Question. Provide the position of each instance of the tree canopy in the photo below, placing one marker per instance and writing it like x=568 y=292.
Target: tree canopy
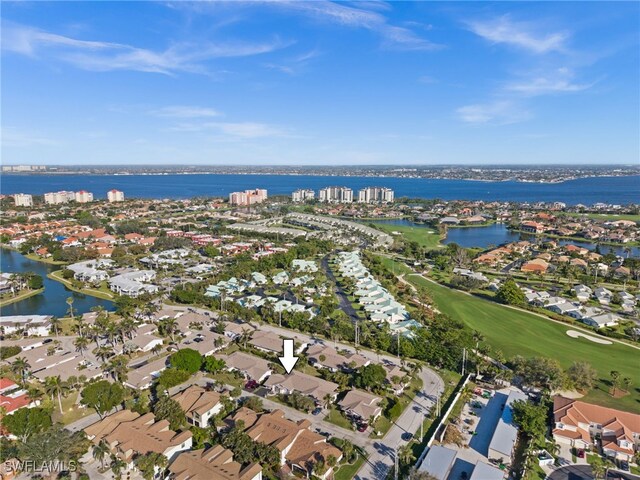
x=102 y=396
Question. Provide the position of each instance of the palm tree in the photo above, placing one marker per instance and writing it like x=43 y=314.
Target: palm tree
x=70 y=301
x=156 y=349
x=55 y=323
x=100 y=451
x=626 y=382
x=244 y=337
x=328 y=400
x=81 y=344
x=103 y=353
x=169 y=326
x=127 y=327
x=20 y=366
x=117 y=465
x=118 y=368
x=615 y=378
x=79 y=324
x=405 y=454
x=54 y=386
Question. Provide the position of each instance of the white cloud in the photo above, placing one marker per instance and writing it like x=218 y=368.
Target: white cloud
x=499 y=112
x=182 y=111
x=369 y=19
x=233 y=129
x=520 y=34
x=108 y=56
x=558 y=81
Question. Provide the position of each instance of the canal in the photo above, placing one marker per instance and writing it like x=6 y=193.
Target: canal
x=53 y=300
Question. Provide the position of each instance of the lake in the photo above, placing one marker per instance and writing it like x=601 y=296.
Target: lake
x=53 y=300
x=614 y=190
x=498 y=233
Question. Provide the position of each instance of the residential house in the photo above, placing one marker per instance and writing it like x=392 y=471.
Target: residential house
x=199 y=405
x=296 y=381
x=324 y=356
x=36 y=325
x=300 y=448
x=583 y=293
x=362 y=405
x=129 y=434
x=250 y=366
x=271 y=343
x=141 y=377
x=13 y=398
x=578 y=424
x=213 y=463
x=605 y=319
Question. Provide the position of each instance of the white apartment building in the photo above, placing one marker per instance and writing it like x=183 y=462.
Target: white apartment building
x=23 y=200
x=55 y=198
x=83 y=196
x=375 y=195
x=302 y=195
x=336 y=195
x=248 y=197
x=115 y=196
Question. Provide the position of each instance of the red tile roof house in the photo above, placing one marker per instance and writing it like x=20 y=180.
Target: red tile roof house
x=577 y=424
x=13 y=398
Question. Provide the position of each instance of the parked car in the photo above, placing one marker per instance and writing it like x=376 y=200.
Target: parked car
x=407 y=436
x=362 y=427
x=251 y=385
x=317 y=411
x=624 y=466
x=580 y=453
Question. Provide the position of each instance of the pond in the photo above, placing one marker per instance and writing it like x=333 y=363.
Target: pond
x=53 y=300
x=498 y=233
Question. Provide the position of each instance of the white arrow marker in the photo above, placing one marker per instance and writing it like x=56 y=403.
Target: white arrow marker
x=288 y=361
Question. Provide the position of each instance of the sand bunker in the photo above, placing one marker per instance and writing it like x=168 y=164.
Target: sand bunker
x=576 y=334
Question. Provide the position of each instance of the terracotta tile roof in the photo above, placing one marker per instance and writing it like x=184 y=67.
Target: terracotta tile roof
x=128 y=433
x=573 y=412
x=197 y=399
x=214 y=463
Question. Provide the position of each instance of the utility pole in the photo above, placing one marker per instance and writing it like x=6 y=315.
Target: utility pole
x=464 y=359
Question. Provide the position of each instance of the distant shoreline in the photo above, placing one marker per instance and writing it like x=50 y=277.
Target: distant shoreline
x=326 y=174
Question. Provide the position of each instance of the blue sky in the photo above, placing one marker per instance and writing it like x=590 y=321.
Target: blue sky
x=320 y=83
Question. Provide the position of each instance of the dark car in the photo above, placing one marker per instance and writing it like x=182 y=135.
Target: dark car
x=251 y=385
x=362 y=427
x=407 y=436
x=624 y=466
x=198 y=339
x=316 y=411
x=47 y=340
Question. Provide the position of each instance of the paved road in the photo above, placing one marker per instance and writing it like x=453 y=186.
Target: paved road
x=343 y=300
x=381 y=451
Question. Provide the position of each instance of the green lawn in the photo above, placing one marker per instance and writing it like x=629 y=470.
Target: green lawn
x=607 y=216
x=8 y=299
x=337 y=418
x=101 y=292
x=425 y=236
x=72 y=412
x=521 y=333
x=348 y=471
